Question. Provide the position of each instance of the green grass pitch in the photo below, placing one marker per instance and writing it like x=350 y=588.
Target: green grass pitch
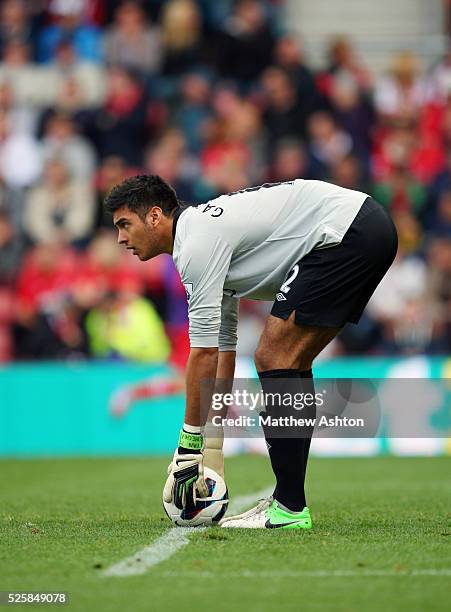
x=376 y=520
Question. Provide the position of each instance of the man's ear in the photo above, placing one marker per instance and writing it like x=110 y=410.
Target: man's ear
x=154 y=216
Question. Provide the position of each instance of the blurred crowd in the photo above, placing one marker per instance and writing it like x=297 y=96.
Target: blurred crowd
x=213 y=97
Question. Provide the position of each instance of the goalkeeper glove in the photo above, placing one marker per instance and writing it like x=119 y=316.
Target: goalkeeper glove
x=185 y=482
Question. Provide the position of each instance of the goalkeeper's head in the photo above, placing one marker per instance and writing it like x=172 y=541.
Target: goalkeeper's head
x=143 y=208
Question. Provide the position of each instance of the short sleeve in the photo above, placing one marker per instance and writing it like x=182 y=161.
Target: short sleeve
x=203 y=263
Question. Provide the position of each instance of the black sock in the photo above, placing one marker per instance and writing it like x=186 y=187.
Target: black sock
x=289 y=455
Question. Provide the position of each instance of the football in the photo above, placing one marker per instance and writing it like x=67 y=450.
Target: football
x=208 y=510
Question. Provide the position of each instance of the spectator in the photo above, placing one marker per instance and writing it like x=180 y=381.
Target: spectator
x=245 y=126
x=47 y=270
x=225 y=169
x=61 y=140
x=41 y=274
x=20 y=159
x=226 y=100
x=11 y=250
x=23 y=118
x=227 y=158
x=24 y=77
x=328 y=144
x=402 y=148
x=113 y=170
x=166 y=164
x=410 y=232
x=438 y=221
x=290 y=161
x=168 y=159
x=68 y=25
x=15 y=24
x=131 y=42
x=182 y=26
x=73 y=84
x=347 y=172
x=440 y=81
x=439 y=186
x=12 y=204
x=344 y=63
x=289 y=55
x=56 y=331
x=401 y=192
x=237 y=128
x=354 y=113
x=194 y=109
x=105 y=267
x=398 y=304
x=284 y=115
x=59 y=208
x=400 y=95
x=120 y=126
x=246 y=45
x=124 y=326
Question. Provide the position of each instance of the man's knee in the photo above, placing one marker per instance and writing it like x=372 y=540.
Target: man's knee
x=274 y=357
x=285 y=345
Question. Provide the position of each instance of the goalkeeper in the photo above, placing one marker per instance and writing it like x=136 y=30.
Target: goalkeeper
x=316 y=250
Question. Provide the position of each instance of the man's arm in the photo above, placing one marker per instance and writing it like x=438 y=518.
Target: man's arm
x=226 y=365
x=205 y=364
x=203 y=264
x=214 y=434
x=227 y=340
x=202 y=366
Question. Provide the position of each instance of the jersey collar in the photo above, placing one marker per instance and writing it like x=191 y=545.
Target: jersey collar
x=181 y=209
x=177 y=214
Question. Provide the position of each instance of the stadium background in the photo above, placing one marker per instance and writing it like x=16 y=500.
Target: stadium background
x=214 y=97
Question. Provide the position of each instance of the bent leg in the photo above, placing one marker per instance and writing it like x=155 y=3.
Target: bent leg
x=286 y=345
x=283 y=359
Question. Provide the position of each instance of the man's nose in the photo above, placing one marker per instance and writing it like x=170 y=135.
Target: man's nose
x=121 y=238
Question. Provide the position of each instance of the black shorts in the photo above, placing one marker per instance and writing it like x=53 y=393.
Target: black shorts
x=333 y=285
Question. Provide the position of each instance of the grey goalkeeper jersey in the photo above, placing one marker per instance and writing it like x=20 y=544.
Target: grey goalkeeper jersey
x=244 y=244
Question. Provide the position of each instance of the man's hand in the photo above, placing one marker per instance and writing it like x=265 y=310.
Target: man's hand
x=185 y=482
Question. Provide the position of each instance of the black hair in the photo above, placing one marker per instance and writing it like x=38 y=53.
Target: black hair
x=139 y=193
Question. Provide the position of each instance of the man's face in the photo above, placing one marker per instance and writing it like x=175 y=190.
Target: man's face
x=143 y=237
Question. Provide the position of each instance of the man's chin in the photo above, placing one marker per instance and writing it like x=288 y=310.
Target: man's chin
x=142 y=257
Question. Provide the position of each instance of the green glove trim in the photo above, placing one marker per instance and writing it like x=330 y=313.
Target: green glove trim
x=191 y=441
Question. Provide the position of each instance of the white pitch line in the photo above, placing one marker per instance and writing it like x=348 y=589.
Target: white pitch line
x=163 y=548
x=309 y=574
x=170 y=542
